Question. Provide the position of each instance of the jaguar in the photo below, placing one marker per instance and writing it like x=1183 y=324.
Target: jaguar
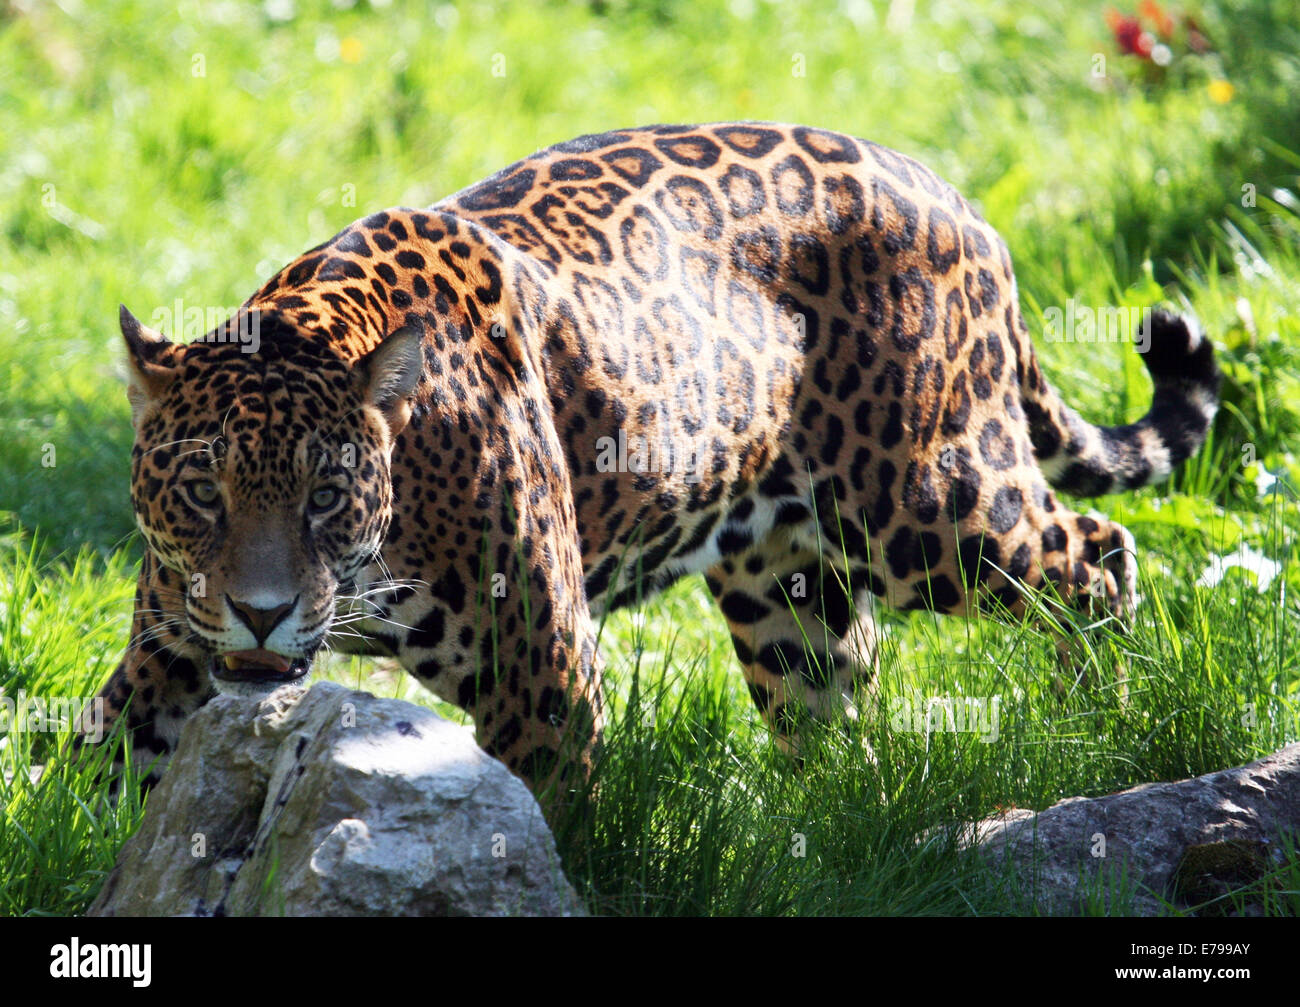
x=787 y=359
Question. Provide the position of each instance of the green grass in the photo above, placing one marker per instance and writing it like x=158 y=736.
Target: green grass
x=61 y=630
x=126 y=177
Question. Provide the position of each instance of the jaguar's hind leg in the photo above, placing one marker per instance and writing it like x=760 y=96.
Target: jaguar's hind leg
x=1085 y=564
x=803 y=642
x=1109 y=598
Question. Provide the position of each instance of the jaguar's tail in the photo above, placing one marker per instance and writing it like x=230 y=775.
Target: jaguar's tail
x=1086 y=460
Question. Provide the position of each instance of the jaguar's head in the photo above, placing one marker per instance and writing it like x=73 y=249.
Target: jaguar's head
x=260 y=475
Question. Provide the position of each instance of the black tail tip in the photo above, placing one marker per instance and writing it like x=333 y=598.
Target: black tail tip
x=1176 y=350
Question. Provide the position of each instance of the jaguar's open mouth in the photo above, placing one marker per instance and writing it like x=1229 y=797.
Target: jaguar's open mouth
x=262 y=666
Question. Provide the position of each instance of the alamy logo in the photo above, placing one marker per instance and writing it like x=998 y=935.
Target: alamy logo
x=641 y=455
x=1082 y=323
x=210 y=324
x=956 y=714
x=39 y=714
x=75 y=960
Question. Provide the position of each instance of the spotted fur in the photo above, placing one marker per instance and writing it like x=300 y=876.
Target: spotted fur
x=823 y=339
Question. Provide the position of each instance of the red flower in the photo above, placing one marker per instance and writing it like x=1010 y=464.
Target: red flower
x=1129 y=35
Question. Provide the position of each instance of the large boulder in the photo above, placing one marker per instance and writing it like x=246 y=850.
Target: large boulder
x=1162 y=846
x=329 y=802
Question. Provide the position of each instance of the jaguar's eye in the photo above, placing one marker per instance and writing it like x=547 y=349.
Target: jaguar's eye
x=203 y=492
x=324 y=498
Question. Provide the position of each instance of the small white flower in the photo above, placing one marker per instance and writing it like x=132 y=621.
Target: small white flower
x=1244 y=558
x=280 y=10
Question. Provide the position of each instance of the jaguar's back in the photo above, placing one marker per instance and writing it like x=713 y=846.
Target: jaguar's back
x=728 y=299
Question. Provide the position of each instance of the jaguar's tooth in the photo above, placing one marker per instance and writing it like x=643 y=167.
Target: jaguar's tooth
x=231 y=663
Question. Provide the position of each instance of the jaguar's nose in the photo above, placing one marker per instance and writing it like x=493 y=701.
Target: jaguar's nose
x=261 y=621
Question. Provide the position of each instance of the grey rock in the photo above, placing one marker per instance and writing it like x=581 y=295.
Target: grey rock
x=329 y=802
x=1168 y=847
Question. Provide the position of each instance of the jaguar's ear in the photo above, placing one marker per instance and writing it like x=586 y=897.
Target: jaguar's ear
x=147 y=378
x=389 y=373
